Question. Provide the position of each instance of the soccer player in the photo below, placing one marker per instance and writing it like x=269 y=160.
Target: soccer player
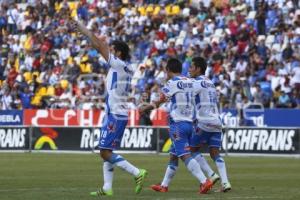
x=207 y=130
x=179 y=90
x=117 y=85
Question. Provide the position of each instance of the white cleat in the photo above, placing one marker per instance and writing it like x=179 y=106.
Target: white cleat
x=226 y=187
x=214 y=178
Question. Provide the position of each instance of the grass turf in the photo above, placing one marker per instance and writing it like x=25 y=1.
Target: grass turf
x=40 y=176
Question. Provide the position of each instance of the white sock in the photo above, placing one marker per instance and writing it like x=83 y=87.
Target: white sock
x=170 y=173
x=108 y=175
x=124 y=164
x=222 y=169
x=203 y=164
x=195 y=169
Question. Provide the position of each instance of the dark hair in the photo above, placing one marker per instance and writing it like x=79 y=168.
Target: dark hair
x=174 y=65
x=200 y=63
x=121 y=46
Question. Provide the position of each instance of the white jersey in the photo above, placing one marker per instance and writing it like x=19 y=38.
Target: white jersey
x=207 y=113
x=118 y=82
x=180 y=92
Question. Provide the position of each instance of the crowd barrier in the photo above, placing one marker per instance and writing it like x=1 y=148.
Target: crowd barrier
x=248 y=140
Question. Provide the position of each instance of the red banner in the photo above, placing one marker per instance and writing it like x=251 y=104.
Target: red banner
x=60 y=117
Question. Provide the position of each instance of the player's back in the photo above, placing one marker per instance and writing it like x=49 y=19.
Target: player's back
x=179 y=89
x=118 y=82
x=206 y=102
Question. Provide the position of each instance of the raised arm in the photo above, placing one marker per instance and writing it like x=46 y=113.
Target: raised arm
x=99 y=43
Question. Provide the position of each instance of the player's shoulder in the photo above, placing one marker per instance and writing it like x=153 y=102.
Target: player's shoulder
x=120 y=65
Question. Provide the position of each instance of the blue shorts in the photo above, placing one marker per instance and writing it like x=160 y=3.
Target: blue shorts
x=200 y=137
x=112 y=131
x=180 y=134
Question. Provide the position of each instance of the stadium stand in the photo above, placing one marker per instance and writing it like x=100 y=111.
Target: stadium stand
x=252 y=48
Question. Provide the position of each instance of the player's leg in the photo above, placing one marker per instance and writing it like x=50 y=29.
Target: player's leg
x=111 y=135
x=119 y=161
x=180 y=134
x=169 y=174
x=214 y=146
x=199 y=139
x=195 y=169
x=204 y=164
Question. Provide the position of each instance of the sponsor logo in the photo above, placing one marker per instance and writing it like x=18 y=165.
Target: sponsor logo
x=10 y=118
x=138 y=138
x=181 y=85
x=127 y=70
x=260 y=140
x=12 y=138
x=48 y=137
x=207 y=85
x=63 y=117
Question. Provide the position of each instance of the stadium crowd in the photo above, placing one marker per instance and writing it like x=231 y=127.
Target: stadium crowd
x=252 y=48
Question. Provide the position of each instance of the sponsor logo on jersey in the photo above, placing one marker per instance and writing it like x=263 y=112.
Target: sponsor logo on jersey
x=181 y=85
x=207 y=85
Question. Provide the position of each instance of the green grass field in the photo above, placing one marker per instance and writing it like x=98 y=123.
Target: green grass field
x=40 y=176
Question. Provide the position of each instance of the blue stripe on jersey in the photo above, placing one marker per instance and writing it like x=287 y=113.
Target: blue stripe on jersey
x=114 y=80
x=107 y=105
x=173 y=102
x=197 y=99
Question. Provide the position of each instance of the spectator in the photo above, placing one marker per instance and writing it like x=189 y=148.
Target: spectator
x=256 y=41
x=283 y=100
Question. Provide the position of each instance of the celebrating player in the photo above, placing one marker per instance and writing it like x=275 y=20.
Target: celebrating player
x=179 y=90
x=206 y=131
x=117 y=86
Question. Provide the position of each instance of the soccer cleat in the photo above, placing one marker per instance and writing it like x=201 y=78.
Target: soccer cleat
x=159 y=188
x=226 y=187
x=214 y=178
x=139 y=180
x=101 y=192
x=204 y=188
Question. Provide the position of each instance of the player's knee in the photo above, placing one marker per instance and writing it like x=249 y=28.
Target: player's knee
x=105 y=154
x=214 y=153
x=185 y=157
x=173 y=158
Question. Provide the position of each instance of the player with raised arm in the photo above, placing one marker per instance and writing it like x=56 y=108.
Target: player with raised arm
x=179 y=91
x=207 y=129
x=118 y=82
